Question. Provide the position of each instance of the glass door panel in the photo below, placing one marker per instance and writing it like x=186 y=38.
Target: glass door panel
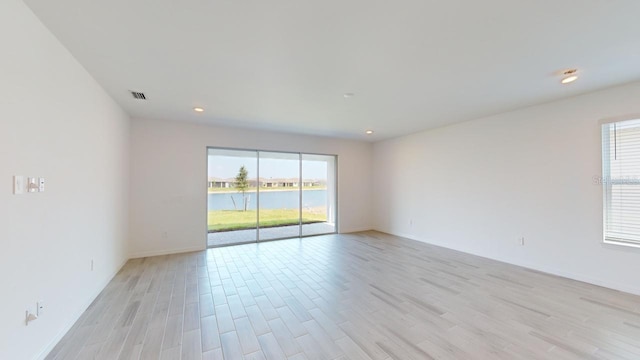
x=318 y=194
x=232 y=216
x=279 y=195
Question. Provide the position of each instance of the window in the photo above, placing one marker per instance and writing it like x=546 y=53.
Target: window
x=621 y=182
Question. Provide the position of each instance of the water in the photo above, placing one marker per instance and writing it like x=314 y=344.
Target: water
x=269 y=200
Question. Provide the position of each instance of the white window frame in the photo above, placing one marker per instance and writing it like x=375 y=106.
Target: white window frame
x=607 y=180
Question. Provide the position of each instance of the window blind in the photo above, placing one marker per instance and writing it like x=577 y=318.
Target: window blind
x=621 y=181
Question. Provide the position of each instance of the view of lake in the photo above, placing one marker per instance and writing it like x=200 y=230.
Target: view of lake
x=269 y=200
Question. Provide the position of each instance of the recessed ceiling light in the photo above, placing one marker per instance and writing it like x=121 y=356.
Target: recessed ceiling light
x=569 y=76
x=569 y=79
x=198 y=109
x=348 y=95
x=369 y=132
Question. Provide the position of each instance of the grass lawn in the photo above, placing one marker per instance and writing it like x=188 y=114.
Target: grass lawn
x=227 y=220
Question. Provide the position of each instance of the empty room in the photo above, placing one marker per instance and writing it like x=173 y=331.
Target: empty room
x=319 y=179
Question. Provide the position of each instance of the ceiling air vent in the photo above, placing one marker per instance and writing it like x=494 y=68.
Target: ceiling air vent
x=138 y=95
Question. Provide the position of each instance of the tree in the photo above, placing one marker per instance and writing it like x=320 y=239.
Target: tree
x=242 y=184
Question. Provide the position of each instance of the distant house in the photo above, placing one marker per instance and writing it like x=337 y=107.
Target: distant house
x=312 y=183
x=268 y=183
x=292 y=182
x=227 y=183
x=288 y=182
x=221 y=183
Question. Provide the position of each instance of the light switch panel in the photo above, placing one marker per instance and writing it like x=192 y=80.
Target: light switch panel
x=41 y=184
x=32 y=184
x=18 y=184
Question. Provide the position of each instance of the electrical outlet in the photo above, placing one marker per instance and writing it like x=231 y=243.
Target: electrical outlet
x=521 y=240
x=165 y=235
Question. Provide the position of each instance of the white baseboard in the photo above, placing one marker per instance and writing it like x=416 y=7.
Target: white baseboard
x=354 y=230
x=70 y=323
x=537 y=267
x=142 y=254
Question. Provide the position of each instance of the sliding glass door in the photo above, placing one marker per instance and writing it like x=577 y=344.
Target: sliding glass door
x=265 y=195
x=232 y=216
x=318 y=194
x=279 y=197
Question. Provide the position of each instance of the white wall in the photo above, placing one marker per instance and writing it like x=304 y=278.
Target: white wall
x=169 y=179
x=479 y=185
x=55 y=122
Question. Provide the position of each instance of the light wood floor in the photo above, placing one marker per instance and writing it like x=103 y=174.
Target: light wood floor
x=358 y=296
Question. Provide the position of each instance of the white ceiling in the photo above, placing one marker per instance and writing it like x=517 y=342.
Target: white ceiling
x=285 y=64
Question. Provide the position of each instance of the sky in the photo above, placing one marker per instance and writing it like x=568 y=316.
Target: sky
x=228 y=166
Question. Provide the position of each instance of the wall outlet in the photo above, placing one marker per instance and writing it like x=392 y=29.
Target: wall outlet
x=165 y=235
x=521 y=240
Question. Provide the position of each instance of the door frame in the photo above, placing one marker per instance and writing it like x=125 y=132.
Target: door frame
x=257 y=151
